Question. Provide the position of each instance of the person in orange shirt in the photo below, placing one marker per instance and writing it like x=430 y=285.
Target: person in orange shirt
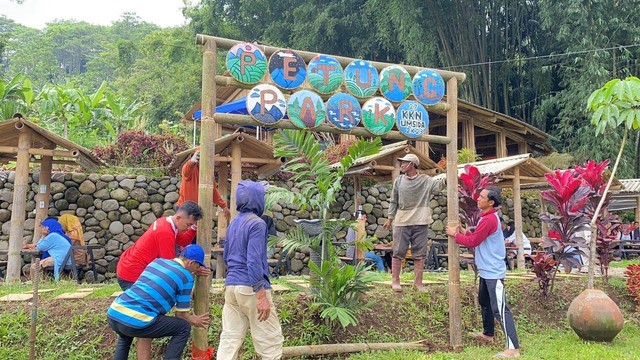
x=191 y=181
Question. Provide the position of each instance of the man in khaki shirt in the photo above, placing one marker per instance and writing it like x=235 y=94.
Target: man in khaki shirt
x=410 y=214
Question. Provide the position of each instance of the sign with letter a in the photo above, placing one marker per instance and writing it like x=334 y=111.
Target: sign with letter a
x=306 y=109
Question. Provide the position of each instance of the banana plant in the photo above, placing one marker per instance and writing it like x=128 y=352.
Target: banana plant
x=16 y=96
x=615 y=104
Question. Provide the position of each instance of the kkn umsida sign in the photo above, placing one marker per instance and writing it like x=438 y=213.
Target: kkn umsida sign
x=359 y=80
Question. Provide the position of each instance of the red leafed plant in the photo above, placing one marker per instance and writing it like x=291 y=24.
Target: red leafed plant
x=568 y=223
x=544 y=266
x=633 y=281
x=593 y=177
x=471 y=183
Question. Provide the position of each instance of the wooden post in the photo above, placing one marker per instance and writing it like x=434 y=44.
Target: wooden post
x=42 y=198
x=638 y=208
x=423 y=146
x=455 y=323
x=517 y=214
x=20 y=189
x=523 y=147
x=543 y=209
x=205 y=187
x=223 y=188
x=361 y=235
x=396 y=168
x=469 y=135
x=236 y=174
x=501 y=144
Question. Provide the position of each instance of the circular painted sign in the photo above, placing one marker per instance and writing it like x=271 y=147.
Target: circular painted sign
x=428 y=87
x=361 y=78
x=325 y=74
x=395 y=83
x=287 y=69
x=266 y=104
x=343 y=111
x=306 y=109
x=246 y=63
x=412 y=119
x=378 y=115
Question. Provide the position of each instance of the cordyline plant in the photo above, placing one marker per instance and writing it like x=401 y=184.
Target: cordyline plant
x=471 y=183
x=593 y=176
x=544 y=266
x=568 y=222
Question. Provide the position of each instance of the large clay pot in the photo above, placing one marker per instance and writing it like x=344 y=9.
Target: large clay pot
x=594 y=316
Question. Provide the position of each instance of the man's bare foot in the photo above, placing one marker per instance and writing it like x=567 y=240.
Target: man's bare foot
x=508 y=354
x=482 y=337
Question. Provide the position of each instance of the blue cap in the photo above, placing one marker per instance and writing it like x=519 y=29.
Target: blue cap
x=195 y=253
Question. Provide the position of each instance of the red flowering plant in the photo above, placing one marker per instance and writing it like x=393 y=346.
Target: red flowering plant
x=568 y=223
x=593 y=176
x=633 y=281
x=471 y=183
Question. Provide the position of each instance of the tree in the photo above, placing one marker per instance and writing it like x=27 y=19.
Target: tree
x=616 y=103
x=16 y=95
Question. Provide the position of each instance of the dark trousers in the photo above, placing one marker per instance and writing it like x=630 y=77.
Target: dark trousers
x=493 y=303
x=179 y=330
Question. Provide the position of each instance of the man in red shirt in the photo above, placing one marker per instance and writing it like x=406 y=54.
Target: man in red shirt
x=191 y=181
x=159 y=241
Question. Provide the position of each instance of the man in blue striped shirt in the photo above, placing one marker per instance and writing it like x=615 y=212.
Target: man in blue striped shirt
x=141 y=310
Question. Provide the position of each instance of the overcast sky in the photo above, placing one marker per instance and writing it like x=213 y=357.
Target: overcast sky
x=36 y=13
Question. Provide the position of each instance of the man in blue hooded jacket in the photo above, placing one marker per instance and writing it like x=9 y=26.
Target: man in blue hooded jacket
x=247 y=299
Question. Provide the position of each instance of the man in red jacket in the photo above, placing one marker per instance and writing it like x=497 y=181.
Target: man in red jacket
x=191 y=181
x=159 y=241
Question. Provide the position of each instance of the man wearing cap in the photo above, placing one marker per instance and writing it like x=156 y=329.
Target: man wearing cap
x=140 y=311
x=410 y=214
x=159 y=241
x=191 y=181
x=247 y=297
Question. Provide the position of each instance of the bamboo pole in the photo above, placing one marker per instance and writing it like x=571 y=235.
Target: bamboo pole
x=42 y=198
x=325 y=349
x=20 y=189
x=251 y=160
x=361 y=232
x=455 y=323
x=223 y=188
x=236 y=174
x=205 y=187
x=35 y=259
x=246 y=120
x=517 y=214
x=43 y=152
x=344 y=61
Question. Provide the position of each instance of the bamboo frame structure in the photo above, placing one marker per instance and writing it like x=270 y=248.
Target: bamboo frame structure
x=210 y=118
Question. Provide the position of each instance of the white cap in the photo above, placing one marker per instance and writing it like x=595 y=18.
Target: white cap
x=411 y=158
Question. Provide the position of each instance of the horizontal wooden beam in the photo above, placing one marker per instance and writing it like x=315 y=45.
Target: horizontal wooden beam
x=307 y=56
x=250 y=160
x=44 y=152
x=246 y=120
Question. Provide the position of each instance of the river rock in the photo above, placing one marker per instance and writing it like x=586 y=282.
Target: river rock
x=110 y=205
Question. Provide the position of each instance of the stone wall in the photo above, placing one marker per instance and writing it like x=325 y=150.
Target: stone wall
x=116 y=210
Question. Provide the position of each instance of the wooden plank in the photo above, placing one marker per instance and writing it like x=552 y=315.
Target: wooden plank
x=16 y=297
x=116 y=294
x=72 y=295
x=41 y=291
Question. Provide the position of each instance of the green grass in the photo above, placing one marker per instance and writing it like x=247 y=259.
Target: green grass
x=551 y=344
x=624 y=263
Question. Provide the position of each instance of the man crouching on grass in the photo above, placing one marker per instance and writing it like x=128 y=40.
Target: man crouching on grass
x=141 y=310
x=488 y=241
